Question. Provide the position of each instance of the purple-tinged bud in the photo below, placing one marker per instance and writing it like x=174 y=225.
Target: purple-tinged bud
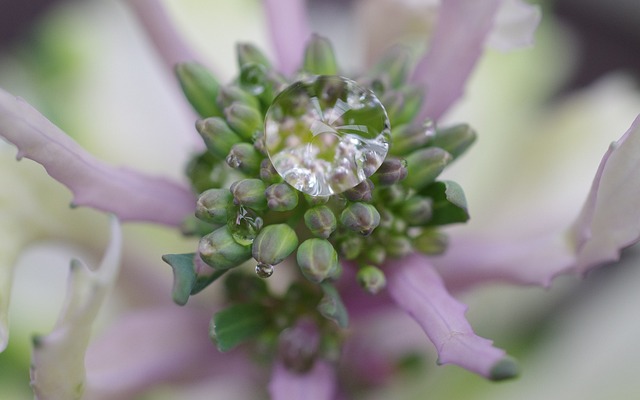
x=219 y=250
x=249 y=193
x=431 y=242
x=371 y=279
x=244 y=157
x=319 y=58
x=408 y=138
x=417 y=210
x=268 y=173
x=200 y=87
x=212 y=205
x=321 y=221
x=317 y=260
x=360 y=217
x=233 y=94
x=274 y=243
x=246 y=121
x=281 y=197
x=361 y=192
x=299 y=345
x=217 y=135
x=316 y=200
x=424 y=166
x=391 y=171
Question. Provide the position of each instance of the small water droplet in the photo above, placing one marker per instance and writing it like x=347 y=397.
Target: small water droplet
x=264 y=270
x=233 y=161
x=327 y=134
x=429 y=127
x=244 y=224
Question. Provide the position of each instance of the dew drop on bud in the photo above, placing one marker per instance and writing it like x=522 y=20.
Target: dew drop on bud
x=326 y=134
x=243 y=224
x=264 y=270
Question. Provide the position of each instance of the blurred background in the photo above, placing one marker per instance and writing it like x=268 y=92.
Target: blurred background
x=86 y=66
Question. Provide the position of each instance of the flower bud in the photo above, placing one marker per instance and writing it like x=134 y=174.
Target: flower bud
x=391 y=171
x=234 y=94
x=321 y=221
x=361 y=192
x=281 y=197
x=268 y=173
x=431 y=242
x=394 y=66
x=319 y=58
x=298 y=346
x=244 y=157
x=424 y=166
x=351 y=247
x=274 y=243
x=408 y=138
x=248 y=53
x=360 y=217
x=397 y=246
x=376 y=254
x=255 y=80
x=219 y=250
x=212 y=205
x=392 y=195
x=371 y=279
x=455 y=139
x=416 y=210
x=244 y=120
x=249 y=193
x=200 y=88
x=316 y=200
x=217 y=135
x=317 y=260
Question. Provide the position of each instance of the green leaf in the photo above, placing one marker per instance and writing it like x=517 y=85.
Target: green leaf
x=449 y=203
x=237 y=324
x=331 y=306
x=184 y=276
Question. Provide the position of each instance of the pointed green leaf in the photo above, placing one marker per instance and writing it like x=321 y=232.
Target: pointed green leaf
x=238 y=323
x=331 y=306
x=449 y=203
x=184 y=276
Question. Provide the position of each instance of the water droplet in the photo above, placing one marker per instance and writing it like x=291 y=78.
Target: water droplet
x=429 y=127
x=327 y=134
x=233 y=161
x=264 y=270
x=244 y=224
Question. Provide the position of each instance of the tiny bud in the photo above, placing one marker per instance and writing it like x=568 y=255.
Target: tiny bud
x=417 y=210
x=249 y=193
x=351 y=247
x=431 y=242
x=391 y=171
x=316 y=200
x=219 y=250
x=217 y=135
x=360 y=217
x=321 y=221
x=361 y=192
x=268 y=173
x=371 y=279
x=403 y=105
x=317 y=260
x=376 y=254
x=281 y=197
x=424 y=166
x=244 y=157
x=254 y=79
x=244 y=120
x=200 y=88
x=408 y=138
x=319 y=58
x=394 y=66
x=234 y=94
x=392 y=195
x=298 y=346
x=212 y=205
x=397 y=246
x=274 y=243
x=248 y=53
x=455 y=139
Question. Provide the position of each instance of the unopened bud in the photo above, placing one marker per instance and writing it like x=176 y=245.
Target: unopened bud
x=321 y=221
x=244 y=157
x=254 y=79
x=234 y=94
x=217 y=135
x=248 y=53
x=212 y=205
x=363 y=191
x=244 y=120
x=431 y=242
x=298 y=346
x=391 y=171
x=316 y=200
x=403 y=105
x=408 y=138
x=455 y=139
x=268 y=173
x=219 y=250
x=317 y=260
x=281 y=197
x=200 y=88
x=360 y=217
x=394 y=66
x=397 y=246
x=371 y=279
x=319 y=58
x=376 y=255
x=417 y=210
x=424 y=166
x=274 y=243
x=249 y=193
x=351 y=247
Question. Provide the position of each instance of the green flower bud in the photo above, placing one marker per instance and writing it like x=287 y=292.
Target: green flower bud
x=391 y=171
x=319 y=58
x=397 y=246
x=248 y=53
x=361 y=192
x=281 y=197
x=392 y=195
x=220 y=251
x=244 y=157
x=424 y=166
x=268 y=173
x=255 y=80
x=249 y=193
x=205 y=171
x=200 y=88
x=233 y=94
x=351 y=247
x=360 y=217
x=376 y=254
x=316 y=200
x=403 y=105
x=394 y=66
x=371 y=279
x=417 y=210
x=212 y=205
x=431 y=242
x=217 y=135
x=317 y=260
x=244 y=120
x=455 y=139
x=408 y=138
x=321 y=221
x=274 y=243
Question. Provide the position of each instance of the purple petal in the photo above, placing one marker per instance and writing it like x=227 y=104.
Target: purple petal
x=289 y=28
x=417 y=288
x=129 y=195
x=317 y=384
x=458 y=42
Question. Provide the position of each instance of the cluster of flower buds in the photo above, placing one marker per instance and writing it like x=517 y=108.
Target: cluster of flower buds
x=247 y=211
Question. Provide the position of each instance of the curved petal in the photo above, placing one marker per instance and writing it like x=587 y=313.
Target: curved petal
x=317 y=384
x=57 y=370
x=417 y=288
x=458 y=41
x=129 y=195
x=289 y=28
x=515 y=25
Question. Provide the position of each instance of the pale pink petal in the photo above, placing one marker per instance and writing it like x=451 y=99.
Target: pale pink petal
x=458 y=42
x=317 y=384
x=417 y=288
x=57 y=370
x=129 y=195
x=515 y=25
x=289 y=28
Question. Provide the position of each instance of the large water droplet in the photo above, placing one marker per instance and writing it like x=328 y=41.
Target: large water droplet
x=244 y=224
x=327 y=134
x=264 y=270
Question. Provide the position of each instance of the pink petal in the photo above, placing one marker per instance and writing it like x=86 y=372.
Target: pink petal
x=417 y=288
x=317 y=384
x=457 y=44
x=129 y=195
x=289 y=28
